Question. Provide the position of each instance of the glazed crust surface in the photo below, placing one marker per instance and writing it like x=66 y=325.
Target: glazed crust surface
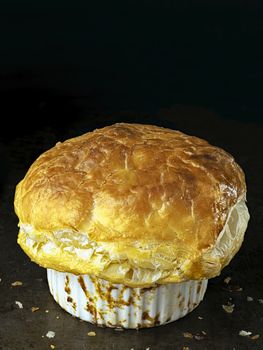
x=143 y=192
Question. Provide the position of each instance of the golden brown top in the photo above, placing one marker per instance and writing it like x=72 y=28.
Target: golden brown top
x=141 y=191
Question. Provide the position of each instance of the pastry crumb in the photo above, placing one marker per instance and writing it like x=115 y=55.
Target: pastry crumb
x=233 y=288
x=57 y=317
x=260 y=301
x=52 y=346
x=200 y=318
x=50 y=334
x=244 y=333
x=34 y=308
x=185 y=348
x=199 y=337
x=16 y=284
x=227 y=280
x=250 y=299
x=255 y=337
x=229 y=308
x=188 y=335
x=19 y=304
x=203 y=332
x=46 y=311
x=92 y=334
x=147 y=349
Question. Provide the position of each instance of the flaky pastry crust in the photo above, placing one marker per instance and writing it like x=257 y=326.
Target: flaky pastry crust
x=153 y=200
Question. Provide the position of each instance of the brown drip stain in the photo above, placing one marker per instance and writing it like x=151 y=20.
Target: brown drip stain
x=199 y=287
x=147 y=289
x=70 y=300
x=97 y=285
x=181 y=302
x=120 y=324
x=194 y=305
x=107 y=296
x=122 y=291
x=191 y=305
x=105 y=293
x=121 y=302
x=153 y=321
x=67 y=289
x=91 y=303
x=92 y=309
x=82 y=284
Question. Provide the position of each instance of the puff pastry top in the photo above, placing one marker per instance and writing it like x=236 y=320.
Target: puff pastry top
x=135 y=204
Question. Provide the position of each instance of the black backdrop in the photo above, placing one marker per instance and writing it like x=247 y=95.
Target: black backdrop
x=67 y=59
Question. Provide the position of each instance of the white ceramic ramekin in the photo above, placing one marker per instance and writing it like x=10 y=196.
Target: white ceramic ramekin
x=115 y=305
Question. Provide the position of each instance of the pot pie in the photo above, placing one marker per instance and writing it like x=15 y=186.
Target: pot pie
x=130 y=222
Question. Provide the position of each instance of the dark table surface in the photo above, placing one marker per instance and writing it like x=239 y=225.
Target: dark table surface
x=24 y=329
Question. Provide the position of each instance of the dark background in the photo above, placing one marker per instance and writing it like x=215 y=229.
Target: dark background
x=61 y=60
x=69 y=67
